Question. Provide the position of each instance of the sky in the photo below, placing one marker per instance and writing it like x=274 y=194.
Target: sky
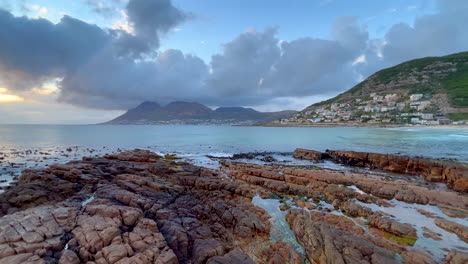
x=87 y=61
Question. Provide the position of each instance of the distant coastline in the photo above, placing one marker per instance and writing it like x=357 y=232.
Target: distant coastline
x=461 y=127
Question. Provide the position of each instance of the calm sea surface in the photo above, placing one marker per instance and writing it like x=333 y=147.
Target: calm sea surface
x=30 y=146
x=227 y=139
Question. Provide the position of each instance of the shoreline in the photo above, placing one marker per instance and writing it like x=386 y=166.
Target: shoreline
x=458 y=127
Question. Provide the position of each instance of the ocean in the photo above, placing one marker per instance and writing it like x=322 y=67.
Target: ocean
x=36 y=146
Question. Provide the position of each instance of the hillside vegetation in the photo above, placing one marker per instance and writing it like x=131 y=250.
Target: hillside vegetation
x=431 y=90
x=431 y=75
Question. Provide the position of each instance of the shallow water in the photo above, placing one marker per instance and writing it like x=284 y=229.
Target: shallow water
x=406 y=213
x=48 y=143
x=280 y=230
x=228 y=139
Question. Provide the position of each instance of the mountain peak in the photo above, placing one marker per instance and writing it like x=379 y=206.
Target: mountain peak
x=181 y=106
x=181 y=112
x=147 y=105
x=235 y=109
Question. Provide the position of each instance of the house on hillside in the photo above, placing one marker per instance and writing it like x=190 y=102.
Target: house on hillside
x=415 y=120
x=427 y=116
x=416 y=97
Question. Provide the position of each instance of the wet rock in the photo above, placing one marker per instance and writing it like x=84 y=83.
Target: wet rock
x=236 y=256
x=243 y=156
x=459 y=229
x=326 y=244
x=426 y=213
x=138 y=207
x=268 y=159
x=69 y=257
x=290 y=180
x=431 y=234
x=203 y=249
x=310 y=155
x=304 y=204
x=279 y=253
x=392 y=226
x=454 y=212
x=454 y=174
x=130 y=207
x=456 y=257
x=355 y=210
x=417 y=257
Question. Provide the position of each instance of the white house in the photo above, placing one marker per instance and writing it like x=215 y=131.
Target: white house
x=415 y=97
x=427 y=116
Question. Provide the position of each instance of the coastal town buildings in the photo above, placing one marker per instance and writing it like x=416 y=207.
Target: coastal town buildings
x=376 y=108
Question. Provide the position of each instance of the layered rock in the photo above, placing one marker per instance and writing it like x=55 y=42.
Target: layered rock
x=459 y=229
x=133 y=207
x=456 y=257
x=329 y=184
x=454 y=174
x=327 y=244
x=372 y=229
x=138 y=207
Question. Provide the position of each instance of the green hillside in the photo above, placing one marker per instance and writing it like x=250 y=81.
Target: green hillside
x=452 y=83
x=428 y=91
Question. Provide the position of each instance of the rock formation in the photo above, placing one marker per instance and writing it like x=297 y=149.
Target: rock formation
x=138 y=207
x=133 y=207
x=454 y=174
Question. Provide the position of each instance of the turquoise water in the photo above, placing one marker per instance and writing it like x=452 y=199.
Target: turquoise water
x=36 y=146
x=226 y=139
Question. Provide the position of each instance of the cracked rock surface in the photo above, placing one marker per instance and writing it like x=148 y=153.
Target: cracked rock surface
x=133 y=207
x=138 y=207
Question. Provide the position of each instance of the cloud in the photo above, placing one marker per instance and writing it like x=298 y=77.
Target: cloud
x=118 y=83
x=451 y=5
x=116 y=69
x=149 y=18
x=347 y=31
x=5 y=97
x=256 y=66
x=101 y=7
x=430 y=35
x=99 y=68
x=304 y=64
x=34 y=50
x=244 y=62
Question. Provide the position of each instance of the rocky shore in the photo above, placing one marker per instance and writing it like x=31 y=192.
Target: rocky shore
x=139 y=207
x=452 y=173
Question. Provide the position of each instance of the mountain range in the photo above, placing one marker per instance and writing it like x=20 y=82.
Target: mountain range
x=431 y=90
x=180 y=112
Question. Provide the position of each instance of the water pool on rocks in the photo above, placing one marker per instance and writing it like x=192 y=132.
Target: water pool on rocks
x=280 y=228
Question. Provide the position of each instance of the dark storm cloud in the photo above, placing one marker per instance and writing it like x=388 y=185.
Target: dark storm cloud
x=32 y=50
x=116 y=83
x=150 y=18
x=108 y=69
x=302 y=66
x=244 y=62
x=258 y=64
x=112 y=69
x=309 y=66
